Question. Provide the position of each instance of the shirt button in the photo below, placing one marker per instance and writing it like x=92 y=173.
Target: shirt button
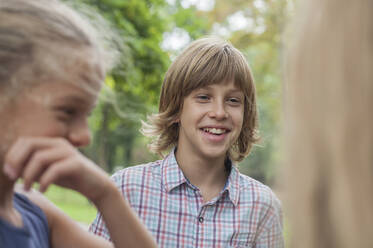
x=200 y=219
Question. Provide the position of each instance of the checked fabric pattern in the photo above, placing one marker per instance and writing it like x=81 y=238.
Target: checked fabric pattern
x=245 y=214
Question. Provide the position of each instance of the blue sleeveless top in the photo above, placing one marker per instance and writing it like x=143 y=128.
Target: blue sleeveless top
x=35 y=231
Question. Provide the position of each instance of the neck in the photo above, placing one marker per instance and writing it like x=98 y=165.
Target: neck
x=208 y=175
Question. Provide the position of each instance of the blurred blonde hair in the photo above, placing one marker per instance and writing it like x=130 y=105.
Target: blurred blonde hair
x=40 y=39
x=329 y=131
x=204 y=62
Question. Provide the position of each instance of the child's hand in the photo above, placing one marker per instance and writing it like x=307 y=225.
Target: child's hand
x=55 y=160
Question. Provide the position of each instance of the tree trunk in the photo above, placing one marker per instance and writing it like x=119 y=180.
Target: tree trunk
x=103 y=134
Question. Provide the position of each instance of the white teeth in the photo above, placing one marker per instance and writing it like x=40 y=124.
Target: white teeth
x=214 y=130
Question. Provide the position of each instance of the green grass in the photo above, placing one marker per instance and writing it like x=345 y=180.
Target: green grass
x=72 y=203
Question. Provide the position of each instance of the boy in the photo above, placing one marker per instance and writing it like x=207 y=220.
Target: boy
x=195 y=196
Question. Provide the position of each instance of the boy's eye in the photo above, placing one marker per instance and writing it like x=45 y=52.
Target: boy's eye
x=203 y=98
x=234 y=100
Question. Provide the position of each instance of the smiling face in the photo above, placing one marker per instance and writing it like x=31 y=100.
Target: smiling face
x=211 y=121
x=51 y=109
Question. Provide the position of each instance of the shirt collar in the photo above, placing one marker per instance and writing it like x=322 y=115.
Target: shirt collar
x=172 y=176
x=233 y=185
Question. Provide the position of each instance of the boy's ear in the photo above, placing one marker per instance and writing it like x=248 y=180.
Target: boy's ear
x=176 y=119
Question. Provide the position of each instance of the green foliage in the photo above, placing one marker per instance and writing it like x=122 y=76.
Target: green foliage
x=135 y=83
x=192 y=21
x=72 y=203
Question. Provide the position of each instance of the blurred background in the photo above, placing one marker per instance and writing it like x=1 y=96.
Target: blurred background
x=153 y=32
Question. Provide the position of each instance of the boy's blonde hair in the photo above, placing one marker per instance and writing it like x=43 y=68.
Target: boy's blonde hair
x=204 y=62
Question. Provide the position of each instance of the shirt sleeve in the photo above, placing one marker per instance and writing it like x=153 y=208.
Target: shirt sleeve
x=98 y=227
x=271 y=234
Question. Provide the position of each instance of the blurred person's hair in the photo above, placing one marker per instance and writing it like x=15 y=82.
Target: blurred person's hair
x=329 y=125
x=40 y=39
x=204 y=62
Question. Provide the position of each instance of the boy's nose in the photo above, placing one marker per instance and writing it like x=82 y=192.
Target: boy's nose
x=218 y=111
x=80 y=135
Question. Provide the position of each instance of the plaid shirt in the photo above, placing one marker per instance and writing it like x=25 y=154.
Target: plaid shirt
x=245 y=214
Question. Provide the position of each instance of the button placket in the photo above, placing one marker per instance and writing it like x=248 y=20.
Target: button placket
x=201 y=216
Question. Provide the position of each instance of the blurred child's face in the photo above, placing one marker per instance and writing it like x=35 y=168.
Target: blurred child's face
x=51 y=109
x=211 y=120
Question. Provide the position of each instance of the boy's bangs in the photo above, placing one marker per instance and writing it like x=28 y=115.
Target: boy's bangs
x=223 y=67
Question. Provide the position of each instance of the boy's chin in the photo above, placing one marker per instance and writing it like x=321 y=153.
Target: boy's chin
x=215 y=153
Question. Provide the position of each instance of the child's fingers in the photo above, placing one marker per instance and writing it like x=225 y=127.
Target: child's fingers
x=38 y=163
x=21 y=151
x=17 y=153
x=59 y=171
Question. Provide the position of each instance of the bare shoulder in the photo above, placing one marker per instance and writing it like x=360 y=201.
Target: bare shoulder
x=34 y=195
x=49 y=209
x=64 y=232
